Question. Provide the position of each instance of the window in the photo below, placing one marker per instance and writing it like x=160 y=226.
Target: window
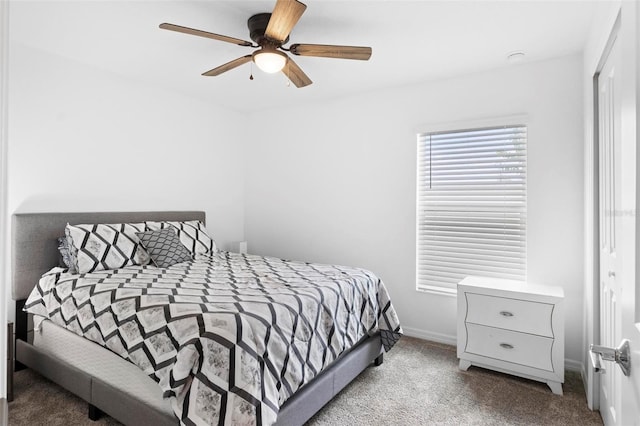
x=471 y=205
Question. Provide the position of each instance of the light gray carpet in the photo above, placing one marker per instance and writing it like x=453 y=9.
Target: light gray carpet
x=418 y=384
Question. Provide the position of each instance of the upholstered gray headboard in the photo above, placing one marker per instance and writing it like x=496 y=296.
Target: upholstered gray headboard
x=34 y=249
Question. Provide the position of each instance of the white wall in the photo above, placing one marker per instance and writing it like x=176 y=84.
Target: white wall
x=335 y=182
x=82 y=139
x=330 y=182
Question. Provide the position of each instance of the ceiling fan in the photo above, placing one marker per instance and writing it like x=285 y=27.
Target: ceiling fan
x=270 y=31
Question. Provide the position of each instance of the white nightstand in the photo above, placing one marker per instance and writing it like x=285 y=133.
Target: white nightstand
x=512 y=327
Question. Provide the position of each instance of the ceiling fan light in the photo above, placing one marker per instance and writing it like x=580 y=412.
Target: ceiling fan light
x=270 y=61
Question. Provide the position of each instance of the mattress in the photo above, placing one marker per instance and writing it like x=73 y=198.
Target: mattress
x=100 y=363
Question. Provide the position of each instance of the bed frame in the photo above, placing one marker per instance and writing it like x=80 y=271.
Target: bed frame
x=35 y=251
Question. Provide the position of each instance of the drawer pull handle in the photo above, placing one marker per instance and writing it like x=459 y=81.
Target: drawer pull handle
x=506 y=346
x=506 y=314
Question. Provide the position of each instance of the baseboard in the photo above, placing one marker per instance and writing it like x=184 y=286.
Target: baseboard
x=573 y=365
x=4 y=412
x=569 y=364
x=585 y=383
x=592 y=403
x=430 y=335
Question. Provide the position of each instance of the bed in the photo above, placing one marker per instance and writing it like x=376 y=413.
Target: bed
x=288 y=392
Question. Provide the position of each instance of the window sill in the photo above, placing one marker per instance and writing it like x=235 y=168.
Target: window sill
x=440 y=291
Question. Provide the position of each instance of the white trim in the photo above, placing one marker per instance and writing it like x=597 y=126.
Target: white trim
x=430 y=335
x=4 y=252
x=573 y=365
x=591 y=318
x=569 y=364
x=439 y=291
x=585 y=383
x=4 y=412
x=506 y=120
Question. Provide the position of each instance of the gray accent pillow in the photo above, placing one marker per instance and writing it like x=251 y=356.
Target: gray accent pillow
x=192 y=233
x=164 y=247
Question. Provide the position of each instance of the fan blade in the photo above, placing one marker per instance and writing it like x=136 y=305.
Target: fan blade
x=329 y=51
x=284 y=17
x=295 y=74
x=228 y=66
x=206 y=34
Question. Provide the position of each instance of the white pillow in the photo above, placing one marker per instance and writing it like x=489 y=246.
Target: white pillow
x=106 y=246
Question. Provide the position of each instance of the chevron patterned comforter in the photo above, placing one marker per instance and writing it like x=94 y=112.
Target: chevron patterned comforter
x=228 y=337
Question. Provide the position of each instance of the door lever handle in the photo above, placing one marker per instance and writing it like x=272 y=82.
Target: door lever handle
x=619 y=355
x=595 y=362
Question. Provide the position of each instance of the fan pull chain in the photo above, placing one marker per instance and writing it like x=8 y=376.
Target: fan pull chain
x=251 y=74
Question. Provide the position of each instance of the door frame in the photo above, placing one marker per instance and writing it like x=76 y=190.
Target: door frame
x=608 y=25
x=591 y=379
x=4 y=245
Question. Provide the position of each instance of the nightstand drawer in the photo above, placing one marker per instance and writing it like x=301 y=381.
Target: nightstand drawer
x=518 y=348
x=511 y=314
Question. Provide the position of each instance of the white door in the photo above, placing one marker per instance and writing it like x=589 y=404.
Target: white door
x=630 y=287
x=619 y=294
x=610 y=229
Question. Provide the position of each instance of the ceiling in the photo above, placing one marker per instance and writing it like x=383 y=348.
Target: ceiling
x=412 y=41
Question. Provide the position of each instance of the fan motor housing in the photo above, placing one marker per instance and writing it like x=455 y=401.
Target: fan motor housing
x=258 y=26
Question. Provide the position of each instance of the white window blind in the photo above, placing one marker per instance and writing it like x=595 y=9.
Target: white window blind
x=472 y=206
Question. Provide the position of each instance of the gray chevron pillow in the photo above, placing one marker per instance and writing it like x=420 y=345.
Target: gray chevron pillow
x=164 y=247
x=192 y=233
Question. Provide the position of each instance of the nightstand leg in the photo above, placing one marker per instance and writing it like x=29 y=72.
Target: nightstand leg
x=556 y=387
x=464 y=365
